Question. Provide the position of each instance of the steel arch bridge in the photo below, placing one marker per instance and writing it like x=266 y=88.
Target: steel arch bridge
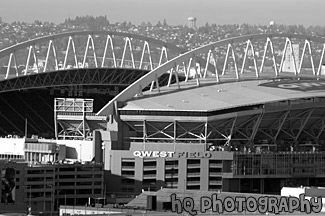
x=84 y=50
x=232 y=55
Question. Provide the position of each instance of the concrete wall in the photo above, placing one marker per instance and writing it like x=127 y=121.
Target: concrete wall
x=84 y=148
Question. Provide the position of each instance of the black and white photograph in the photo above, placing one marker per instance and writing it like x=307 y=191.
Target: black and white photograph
x=170 y=107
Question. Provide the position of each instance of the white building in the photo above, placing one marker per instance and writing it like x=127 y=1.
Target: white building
x=309 y=193
x=44 y=150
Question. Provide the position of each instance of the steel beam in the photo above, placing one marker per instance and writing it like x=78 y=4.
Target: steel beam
x=282 y=120
x=303 y=124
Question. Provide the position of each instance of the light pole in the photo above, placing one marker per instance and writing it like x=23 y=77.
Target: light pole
x=51 y=198
x=30 y=199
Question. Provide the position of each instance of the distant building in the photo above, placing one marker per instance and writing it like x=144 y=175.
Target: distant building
x=39 y=151
x=192 y=22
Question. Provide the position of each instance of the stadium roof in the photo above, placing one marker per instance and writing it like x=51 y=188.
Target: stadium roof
x=211 y=96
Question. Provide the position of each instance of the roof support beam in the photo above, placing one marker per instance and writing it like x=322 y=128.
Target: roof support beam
x=281 y=121
x=303 y=124
x=256 y=126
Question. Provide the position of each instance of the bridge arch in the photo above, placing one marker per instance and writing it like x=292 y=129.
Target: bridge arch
x=210 y=52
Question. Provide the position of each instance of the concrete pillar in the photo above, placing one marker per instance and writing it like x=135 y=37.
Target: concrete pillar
x=160 y=173
x=138 y=176
x=182 y=174
x=204 y=173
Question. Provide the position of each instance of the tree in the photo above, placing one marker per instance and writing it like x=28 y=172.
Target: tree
x=37 y=22
x=143 y=24
x=158 y=24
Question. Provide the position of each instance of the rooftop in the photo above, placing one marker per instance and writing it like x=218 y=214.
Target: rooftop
x=212 y=96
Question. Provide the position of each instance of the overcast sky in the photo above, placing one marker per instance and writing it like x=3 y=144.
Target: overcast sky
x=305 y=12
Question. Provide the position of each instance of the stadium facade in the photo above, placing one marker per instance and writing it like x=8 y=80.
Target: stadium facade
x=253 y=136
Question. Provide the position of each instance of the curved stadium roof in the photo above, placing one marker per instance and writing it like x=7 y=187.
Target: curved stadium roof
x=211 y=96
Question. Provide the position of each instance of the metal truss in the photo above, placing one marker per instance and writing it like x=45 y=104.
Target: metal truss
x=71 y=130
x=83 y=76
x=73 y=118
x=73 y=105
x=152 y=51
x=295 y=125
x=149 y=131
x=218 y=132
x=196 y=71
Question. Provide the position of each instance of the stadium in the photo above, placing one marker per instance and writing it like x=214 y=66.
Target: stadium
x=237 y=132
x=248 y=136
x=192 y=123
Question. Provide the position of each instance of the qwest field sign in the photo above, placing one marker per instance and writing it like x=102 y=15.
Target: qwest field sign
x=164 y=154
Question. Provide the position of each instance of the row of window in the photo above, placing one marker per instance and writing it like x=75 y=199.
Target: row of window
x=11 y=156
x=168 y=163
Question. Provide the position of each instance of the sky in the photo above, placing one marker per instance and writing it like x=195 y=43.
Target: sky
x=176 y=12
